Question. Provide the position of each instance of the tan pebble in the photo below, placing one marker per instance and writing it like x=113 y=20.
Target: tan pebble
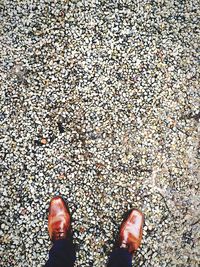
x=44 y=141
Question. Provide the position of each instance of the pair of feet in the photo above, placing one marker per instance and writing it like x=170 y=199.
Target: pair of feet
x=59 y=225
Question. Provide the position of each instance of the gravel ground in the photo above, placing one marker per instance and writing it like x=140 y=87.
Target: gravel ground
x=100 y=103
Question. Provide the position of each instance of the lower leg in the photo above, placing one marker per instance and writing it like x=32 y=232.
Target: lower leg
x=62 y=254
x=120 y=257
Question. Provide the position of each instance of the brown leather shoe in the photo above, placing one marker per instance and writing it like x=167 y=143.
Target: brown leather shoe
x=59 y=222
x=130 y=235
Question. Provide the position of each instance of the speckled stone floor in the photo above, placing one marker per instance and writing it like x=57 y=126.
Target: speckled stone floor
x=100 y=103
